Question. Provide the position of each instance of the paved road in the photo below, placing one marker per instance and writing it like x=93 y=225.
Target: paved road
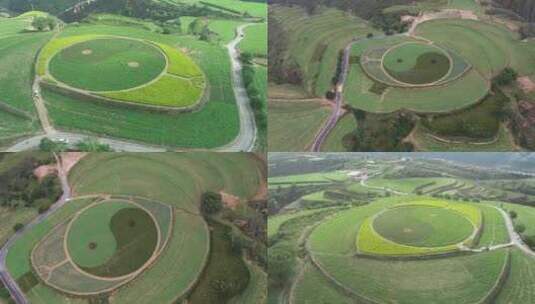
x=337 y=111
x=115 y=144
x=515 y=237
x=8 y=281
x=247 y=136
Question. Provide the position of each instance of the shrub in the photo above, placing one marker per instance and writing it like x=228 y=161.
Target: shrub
x=211 y=203
x=18 y=227
x=520 y=228
x=506 y=77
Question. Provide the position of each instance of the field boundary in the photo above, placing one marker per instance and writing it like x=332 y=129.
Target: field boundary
x=122 y=280
x=94 y=95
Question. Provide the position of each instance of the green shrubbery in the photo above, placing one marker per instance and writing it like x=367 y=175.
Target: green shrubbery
x=506 y=77
x=20 y=188
x=257 y=100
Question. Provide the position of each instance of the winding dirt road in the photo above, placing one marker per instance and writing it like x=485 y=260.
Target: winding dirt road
x=9 y=282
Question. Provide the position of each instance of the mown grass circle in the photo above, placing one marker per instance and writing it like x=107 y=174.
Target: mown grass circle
x=112 y=239
x=416 y=63
x=423 y=226
x=107 y=64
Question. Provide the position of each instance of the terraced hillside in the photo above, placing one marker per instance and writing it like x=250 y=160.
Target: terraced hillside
x=140 y=242
x=353 y=240
x=421 y=90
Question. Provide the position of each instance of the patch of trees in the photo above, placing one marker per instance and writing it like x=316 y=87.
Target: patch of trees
x=256 y=97
x=382 y=132
x=51 y=6
x=366 y=9
x=144 y=9
x=20 y=188
x=283 y=196
x=85 y=145
x=506 y=77
x=211 y=203
x=42 y=23
x=199 y=27
x=480 y=121
x=389 y=23
x=281 y=69
x=519 y=9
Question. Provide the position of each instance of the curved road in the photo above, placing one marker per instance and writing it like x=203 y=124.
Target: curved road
x=337 y=111
x=247 y=136
x=245 y=140
x=515 y=238
x=8 y=281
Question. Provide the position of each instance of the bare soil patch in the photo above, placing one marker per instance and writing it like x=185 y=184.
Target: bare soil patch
x=526 y=84
x=229 y=200
x=43 y=171
x=69 y=159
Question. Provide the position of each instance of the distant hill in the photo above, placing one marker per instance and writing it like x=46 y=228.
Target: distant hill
x=51 y=6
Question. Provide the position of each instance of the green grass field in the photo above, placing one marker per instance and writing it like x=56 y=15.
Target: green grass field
x=335 y=140
x=293 y=125
x=17 y=113
x=97 y=220
x=416 y=63
x=432 y=281
x=519 y=285
x=255 y=41
x=423 y=226
x=123 y=237
x=107 y=64
x=163 y=92
x=491 y=47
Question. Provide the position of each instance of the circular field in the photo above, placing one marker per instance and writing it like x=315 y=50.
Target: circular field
x=107 y=64
x=416 y=63
x=422 y=226
x=112 y=239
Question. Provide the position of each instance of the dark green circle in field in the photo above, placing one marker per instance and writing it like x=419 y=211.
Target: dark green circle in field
x=107 y=64
x=423 y=226
x=112 y=239
x=416 y=63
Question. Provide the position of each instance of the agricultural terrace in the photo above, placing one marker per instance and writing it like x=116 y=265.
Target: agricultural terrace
x=359 y=254
x=314 y=42
x=122 y=69
x=18 y=117
x=428 y=71
x=199 y=68
x=237 y=7
x=410 y=227
x=163 y=211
